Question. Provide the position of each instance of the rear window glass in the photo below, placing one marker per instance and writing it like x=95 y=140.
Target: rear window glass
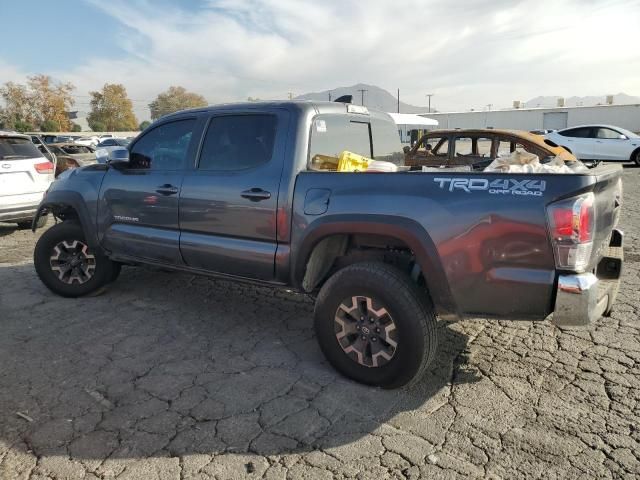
x=15 y=148
x=333 y=134
x=386 y=142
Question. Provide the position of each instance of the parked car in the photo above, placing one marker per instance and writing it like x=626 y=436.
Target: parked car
x=25 y=175
x=106 y=146
x=72 y=155
x=231 y=191
x=91 y=141
x=478 y=147
x=599 y=142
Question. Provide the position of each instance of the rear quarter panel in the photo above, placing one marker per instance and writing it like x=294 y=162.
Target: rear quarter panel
x=484 y=248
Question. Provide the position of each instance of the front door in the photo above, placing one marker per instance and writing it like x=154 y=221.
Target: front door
x=138 y=209
x=609 y=144
x=229 y=199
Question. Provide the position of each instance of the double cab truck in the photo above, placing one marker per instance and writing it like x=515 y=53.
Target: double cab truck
x=239 y=191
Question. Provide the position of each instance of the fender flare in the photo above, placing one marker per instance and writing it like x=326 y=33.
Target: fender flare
x=61 y=199
x=406 y=230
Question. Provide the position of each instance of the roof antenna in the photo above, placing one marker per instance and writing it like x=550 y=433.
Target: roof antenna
x=344 y=99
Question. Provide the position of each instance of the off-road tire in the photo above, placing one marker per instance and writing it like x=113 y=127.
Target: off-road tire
x=105 y=270
x=409 y=307
x=26 y=225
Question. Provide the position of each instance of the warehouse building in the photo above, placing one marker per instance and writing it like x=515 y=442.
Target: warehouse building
x=625 y=116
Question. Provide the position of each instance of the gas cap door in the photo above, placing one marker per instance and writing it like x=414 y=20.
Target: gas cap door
x=316 y=202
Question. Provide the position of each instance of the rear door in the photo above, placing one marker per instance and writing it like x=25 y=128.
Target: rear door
x=25 y=174
x=229 y=198
x=581 y=142
x=138 y=208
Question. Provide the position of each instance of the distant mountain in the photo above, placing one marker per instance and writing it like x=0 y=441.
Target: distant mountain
x=375 y=98
x=619 y=99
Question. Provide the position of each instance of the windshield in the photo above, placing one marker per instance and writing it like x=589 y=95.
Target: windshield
x=17 y=148
x=123 y=142
x=627 y=133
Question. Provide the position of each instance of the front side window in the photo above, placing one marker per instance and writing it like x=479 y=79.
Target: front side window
x=163 y=148
x=238 y=142
x=608 y=134
x=333 y=134
x=437 y=146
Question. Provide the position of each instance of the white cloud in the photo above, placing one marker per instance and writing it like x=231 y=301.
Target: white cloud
x=468 y=54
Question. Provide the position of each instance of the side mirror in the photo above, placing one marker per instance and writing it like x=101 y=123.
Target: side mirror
x=118 y=155
x=406 y=149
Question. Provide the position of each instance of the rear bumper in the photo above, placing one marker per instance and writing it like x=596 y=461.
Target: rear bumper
x=583 y=298
x=18 y=214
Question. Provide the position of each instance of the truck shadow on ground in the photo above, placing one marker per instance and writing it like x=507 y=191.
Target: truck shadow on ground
x=170 y=364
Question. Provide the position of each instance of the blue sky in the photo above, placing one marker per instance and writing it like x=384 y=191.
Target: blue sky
x=469 y=54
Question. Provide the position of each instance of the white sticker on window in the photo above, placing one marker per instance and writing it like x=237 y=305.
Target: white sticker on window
x=321 y=126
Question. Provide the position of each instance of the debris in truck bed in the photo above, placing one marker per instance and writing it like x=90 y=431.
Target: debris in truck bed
x=525 y=162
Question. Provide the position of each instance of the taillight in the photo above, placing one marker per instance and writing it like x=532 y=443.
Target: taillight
x=572 y=225
x=44 y=167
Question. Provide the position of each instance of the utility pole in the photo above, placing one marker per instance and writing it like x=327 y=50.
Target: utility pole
x=489 y=105
x=429 y=95
x=362 y=90
x=290 y=95
x=329 y=96
x=398 y=100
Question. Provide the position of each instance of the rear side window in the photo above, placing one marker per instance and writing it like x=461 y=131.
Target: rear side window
x=163 y=148
x=16 y=148
x=238 y=142
x=333 y=134
x=577 y=132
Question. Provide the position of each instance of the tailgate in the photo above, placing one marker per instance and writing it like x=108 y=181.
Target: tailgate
x=608 y=203
x=18 y=176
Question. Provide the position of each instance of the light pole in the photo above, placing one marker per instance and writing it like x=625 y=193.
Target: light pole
x=429 y=95
x=362 y=90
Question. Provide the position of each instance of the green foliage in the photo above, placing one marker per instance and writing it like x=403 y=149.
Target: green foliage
x=49 y=126
x=111 y=110
x=144 y=125
x=22 y=126
x=174 y=100
x=75 y=127
x=97 y=126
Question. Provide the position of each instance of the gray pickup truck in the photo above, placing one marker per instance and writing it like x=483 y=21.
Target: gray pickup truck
x=234 y=191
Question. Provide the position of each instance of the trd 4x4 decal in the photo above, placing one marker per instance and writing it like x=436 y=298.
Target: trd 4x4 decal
x=499 y=186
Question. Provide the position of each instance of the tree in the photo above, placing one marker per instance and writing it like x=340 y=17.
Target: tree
x=18 y=105
x=173 y=100
x=75 y=127
x=111 y=110
x=51 y=102
x=40 y=101
x=144 y=125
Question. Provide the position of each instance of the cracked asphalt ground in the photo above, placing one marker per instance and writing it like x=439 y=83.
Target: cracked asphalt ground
x=169 y=376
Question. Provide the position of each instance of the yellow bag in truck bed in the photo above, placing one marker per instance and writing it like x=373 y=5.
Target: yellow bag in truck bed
x=352 y=162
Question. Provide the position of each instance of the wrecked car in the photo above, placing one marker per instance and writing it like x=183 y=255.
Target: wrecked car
x=477 y=148
x=72 y=155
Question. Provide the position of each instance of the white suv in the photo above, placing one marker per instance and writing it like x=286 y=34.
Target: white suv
x=25 y=175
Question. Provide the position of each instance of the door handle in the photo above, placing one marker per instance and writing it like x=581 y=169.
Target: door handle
x=256 y=194
x=167 y=189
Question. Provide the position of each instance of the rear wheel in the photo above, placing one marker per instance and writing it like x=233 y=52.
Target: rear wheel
x=67 y=266
x=635 y=157
x=375 y=325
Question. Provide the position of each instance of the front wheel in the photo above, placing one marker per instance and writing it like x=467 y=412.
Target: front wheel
x=375 y=325
x=635 y=158
x=67 y=266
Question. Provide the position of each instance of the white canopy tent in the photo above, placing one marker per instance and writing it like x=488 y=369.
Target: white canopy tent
x=410 y=121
